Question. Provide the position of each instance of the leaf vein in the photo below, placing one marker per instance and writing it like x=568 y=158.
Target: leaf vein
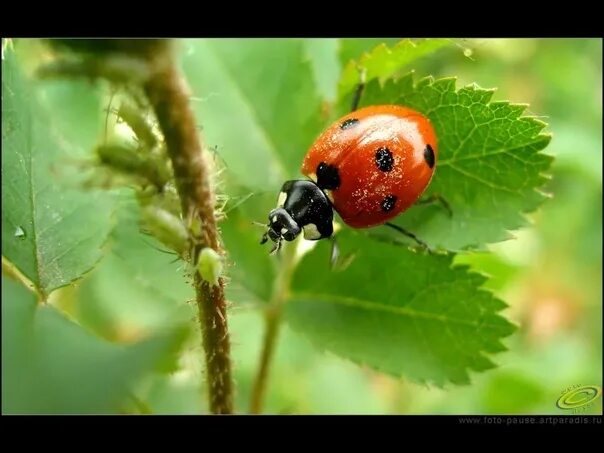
x=371 y=305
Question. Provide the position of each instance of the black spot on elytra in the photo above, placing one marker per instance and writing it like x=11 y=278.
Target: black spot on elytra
x=328 y=176
x=350 y=122
x=384 y=159
x=388 y=203
x=429 y=156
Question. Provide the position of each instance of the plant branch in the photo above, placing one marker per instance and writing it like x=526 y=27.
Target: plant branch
x=168 y=94
x=273 y=316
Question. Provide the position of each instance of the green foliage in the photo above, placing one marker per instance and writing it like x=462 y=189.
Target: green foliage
x=383 y=61
x=136 y=289
x=43 y=212
x=489 y=168
x=400 y=312
x=328 y=308
x=51 y=365
x=322 y=54
x=353 y=49
x=251 y=269
x=53 y=231
x=260 y=104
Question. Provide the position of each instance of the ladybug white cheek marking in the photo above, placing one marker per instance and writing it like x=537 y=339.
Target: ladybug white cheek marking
x=311 y=232
x=281 y=199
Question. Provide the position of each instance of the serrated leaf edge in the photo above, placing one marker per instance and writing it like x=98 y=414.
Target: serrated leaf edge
x=481 y=279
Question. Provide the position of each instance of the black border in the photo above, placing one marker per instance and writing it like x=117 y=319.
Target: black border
x=302 y=19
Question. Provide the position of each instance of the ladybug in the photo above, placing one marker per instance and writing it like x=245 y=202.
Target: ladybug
x=368 y=166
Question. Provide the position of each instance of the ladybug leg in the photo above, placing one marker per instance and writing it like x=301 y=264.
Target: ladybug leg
x=336 y=261
x=410 y=235
x=437 y=198
x=358 y=93
x=335 y=253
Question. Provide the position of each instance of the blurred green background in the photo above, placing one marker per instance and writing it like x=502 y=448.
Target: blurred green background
x=550 y=274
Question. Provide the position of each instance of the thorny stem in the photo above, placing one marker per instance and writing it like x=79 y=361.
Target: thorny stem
x=150 y=63
x=168 y=94
x=273 y=316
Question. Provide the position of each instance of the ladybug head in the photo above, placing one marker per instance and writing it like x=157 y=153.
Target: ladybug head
x=302 y=207
x=281 y=226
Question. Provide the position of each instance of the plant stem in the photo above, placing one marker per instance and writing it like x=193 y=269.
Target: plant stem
x=150 y=63
x=168 y=94
x=272 y=322
x=273 y=317
x=142 y=407
x=9 y=270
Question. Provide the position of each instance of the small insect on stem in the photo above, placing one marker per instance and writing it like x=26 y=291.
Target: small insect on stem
x=135 y=118
x=209 y=266
x=167 y=228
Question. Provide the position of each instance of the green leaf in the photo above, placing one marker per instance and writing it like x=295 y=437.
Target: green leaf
x=322 y=54
x=383 y=62
x=50 y=231
x=509 y=392
x=18 y=306
x=257 y=103
x=489 y=168
x=51 y=365
x=353 y=48
x=136 y=289
x=400 y=312
x=251 y=269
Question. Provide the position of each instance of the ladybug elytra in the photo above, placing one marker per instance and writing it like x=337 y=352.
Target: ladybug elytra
x=369 y=166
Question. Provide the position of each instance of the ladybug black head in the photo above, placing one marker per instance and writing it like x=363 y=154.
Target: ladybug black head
x=302 y=207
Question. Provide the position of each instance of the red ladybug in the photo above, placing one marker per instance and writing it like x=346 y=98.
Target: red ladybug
x=369 y=166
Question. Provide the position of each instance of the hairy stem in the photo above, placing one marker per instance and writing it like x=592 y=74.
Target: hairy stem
x=150 y=63
x=273 y=317
x=168 y=94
